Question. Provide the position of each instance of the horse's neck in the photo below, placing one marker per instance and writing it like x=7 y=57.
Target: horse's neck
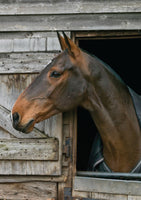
x=111 y=107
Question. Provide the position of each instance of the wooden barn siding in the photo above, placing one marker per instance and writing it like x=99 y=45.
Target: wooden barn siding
x=71 y=22
x=22 y=57
x=27 y=43
x=92 y=15
x=28 y=191
x=68 y=7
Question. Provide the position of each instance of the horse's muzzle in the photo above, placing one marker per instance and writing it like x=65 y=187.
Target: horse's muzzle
x=16 y=123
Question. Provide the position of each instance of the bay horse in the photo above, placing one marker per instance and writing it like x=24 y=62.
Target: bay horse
x=75 y=78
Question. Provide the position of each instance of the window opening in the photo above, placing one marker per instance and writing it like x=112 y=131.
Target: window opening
x=123 y=56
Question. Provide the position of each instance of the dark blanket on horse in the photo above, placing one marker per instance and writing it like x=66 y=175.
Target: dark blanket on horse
x=96 y=159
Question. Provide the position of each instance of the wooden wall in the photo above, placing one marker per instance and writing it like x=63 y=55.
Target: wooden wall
x=69 y=15
x=40 y=165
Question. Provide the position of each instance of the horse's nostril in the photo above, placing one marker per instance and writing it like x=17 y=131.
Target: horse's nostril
x=16 y=118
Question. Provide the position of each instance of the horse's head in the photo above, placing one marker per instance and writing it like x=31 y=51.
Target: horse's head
x=60 y=87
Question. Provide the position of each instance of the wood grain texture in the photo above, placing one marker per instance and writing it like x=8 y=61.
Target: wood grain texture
x=35 y=44
x=11 y=85
x=68 y=7
x=16 y=162
x=109 y=196
x=110 y=186
x=12 y=167
x=71 y=22
x=30 y=178
x=27 y=43
x=29 y=149
x=30 y=191
x=134 y=197
x=24 y=62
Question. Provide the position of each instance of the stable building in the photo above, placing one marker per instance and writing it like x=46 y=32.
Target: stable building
x=50 y=163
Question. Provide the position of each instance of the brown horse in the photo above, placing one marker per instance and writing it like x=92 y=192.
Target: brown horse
x=75 y=78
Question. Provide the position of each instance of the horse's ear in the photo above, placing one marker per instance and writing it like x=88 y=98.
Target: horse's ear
x=62 y=42
x=73 y=49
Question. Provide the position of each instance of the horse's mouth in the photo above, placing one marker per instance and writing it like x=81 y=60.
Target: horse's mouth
x=26 y=128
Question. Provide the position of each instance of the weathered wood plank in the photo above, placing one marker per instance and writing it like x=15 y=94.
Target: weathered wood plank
x=82 y=194
x=63 y=7
x=53 y=128
x=107 y=186
x=53 y=44
x=109 y=196
x=23 y=45
x=23 y=179
x=134 y=197
x=71 y=22
x=99 y=196
x=10 y=167
x=11 y=85
x=35 y=44
x=24 y=62
x=29 y=149
x=32 y=191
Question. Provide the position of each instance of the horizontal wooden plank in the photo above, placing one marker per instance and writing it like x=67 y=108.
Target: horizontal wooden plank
x=99 y=196
x=13 y=167
x=107 y=186
x=23 y=45
x=24 y=62
x=29 y=45
x=134 y=198
x=29 y=149
x=109 y=196
x=64 y=7
x=32 y=191
x=22 y=179
x=85 y=195
x=124 y=21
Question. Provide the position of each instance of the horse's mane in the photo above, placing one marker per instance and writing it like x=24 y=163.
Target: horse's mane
x=106 y=66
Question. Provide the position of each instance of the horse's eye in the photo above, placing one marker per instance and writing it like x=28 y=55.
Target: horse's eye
x=55 y=74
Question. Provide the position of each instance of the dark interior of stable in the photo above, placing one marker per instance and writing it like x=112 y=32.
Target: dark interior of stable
x=123 y=55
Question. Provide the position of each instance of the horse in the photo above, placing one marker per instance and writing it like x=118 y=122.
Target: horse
x=75 y=78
